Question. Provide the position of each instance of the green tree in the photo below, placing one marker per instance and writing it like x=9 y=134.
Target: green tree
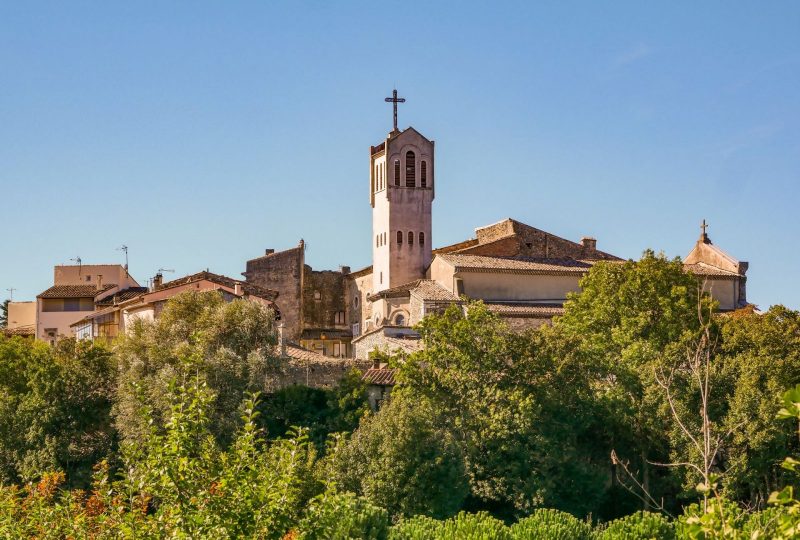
x=401 y=460
x=321 y=411
x=230 y=345
x=628 y=320
x=519 y=407
x=55 y=407
x=761 y=354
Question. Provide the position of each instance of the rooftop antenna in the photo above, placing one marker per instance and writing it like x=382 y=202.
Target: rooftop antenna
x=11 y=293
x=78 y=261
x=124 y=248
x=160 y=270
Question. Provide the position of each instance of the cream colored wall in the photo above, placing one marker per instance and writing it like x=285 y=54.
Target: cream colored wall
x=398 y=208
x=502 y=286
x=361 y=286
x=60 y=320
x=723 y=291
x=21 y=315
x=77 y=275
x=144 y=313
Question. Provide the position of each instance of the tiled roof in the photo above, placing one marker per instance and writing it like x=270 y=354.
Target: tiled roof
x=428 y=289
x=362 y=272
x=301 y=353
x=702 y=269
x=121 y=296
x=456 y=247
x=248 y=288
x=74 y=291
x=396 y=292
x=379 y=376
x=19 y=331
x=525 y=309
x=520 y=265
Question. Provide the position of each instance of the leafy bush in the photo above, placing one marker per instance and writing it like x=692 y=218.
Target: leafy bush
x=343 y=516
x=638 y=526
x=550 y=524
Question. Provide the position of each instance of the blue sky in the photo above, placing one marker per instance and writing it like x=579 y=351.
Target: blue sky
x=201 y=133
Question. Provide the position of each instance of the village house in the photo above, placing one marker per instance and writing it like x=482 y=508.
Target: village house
x=76 y=290
x=116 y=312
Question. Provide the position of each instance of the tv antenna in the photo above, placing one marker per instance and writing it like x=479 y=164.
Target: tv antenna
x=77 y=260
x=124 y=248
x=11 y=293
x=161 y=270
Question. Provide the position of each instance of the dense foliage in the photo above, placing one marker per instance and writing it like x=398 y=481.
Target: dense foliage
x=638 y=414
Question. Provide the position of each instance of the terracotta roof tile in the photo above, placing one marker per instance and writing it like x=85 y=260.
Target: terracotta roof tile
x=19 y=331
x=74 y=291
x=121 y=296
x=525 y=309
x=522 y=265
x=428 y=289
x=703 y=269
x=379 y=376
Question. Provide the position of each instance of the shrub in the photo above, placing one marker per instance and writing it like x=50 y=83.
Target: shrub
x=550 y=524
x=343 y=516
x=638 y=526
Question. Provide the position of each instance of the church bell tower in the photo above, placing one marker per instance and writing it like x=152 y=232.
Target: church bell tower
x=402 y=182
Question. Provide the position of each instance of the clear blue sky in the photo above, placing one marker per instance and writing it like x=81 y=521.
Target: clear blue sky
x=201 y=133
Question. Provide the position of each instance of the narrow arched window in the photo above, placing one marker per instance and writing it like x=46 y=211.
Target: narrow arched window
x=397 y=172
x=399 y=320
x=423 y=174
x=411 y=169
x=399 y=237
x=410 y=238
x=377 y=241
x=422 y=238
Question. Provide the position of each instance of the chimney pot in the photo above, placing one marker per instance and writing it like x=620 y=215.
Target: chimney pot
x=344 y=269
x=589 y=242
x=237 y=289
x=269 y=251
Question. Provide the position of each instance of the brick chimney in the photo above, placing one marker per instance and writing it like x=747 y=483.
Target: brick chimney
x=158 y=280
x=237 y=289
x=99 y=281
x=269 y=251
x=589 y=242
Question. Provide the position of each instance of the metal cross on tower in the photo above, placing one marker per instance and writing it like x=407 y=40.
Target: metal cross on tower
x=394 y=100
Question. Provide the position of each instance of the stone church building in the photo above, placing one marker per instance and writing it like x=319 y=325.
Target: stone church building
x=522 y=273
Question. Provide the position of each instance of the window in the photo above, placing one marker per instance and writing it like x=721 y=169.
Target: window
x=356 y=329
x=384 y=239
x=397 y=172
x=410 y=238
x=356 y=300
x=399 y=320
x=338 y=318
x=423 y=172
x=399 y=237
x=317 y=295
x=377 y=241
x=88 y=278
x=337 y=350
x=380 y=276
x=422 y=238
x=411 y=169
x=67 y=304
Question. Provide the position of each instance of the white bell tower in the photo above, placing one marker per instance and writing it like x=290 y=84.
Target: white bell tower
x=402 y=185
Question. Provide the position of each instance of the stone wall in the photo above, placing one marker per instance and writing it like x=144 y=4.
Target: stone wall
x=316 y=374
x=323 y=297
x=504 y=238
x=283 y=272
